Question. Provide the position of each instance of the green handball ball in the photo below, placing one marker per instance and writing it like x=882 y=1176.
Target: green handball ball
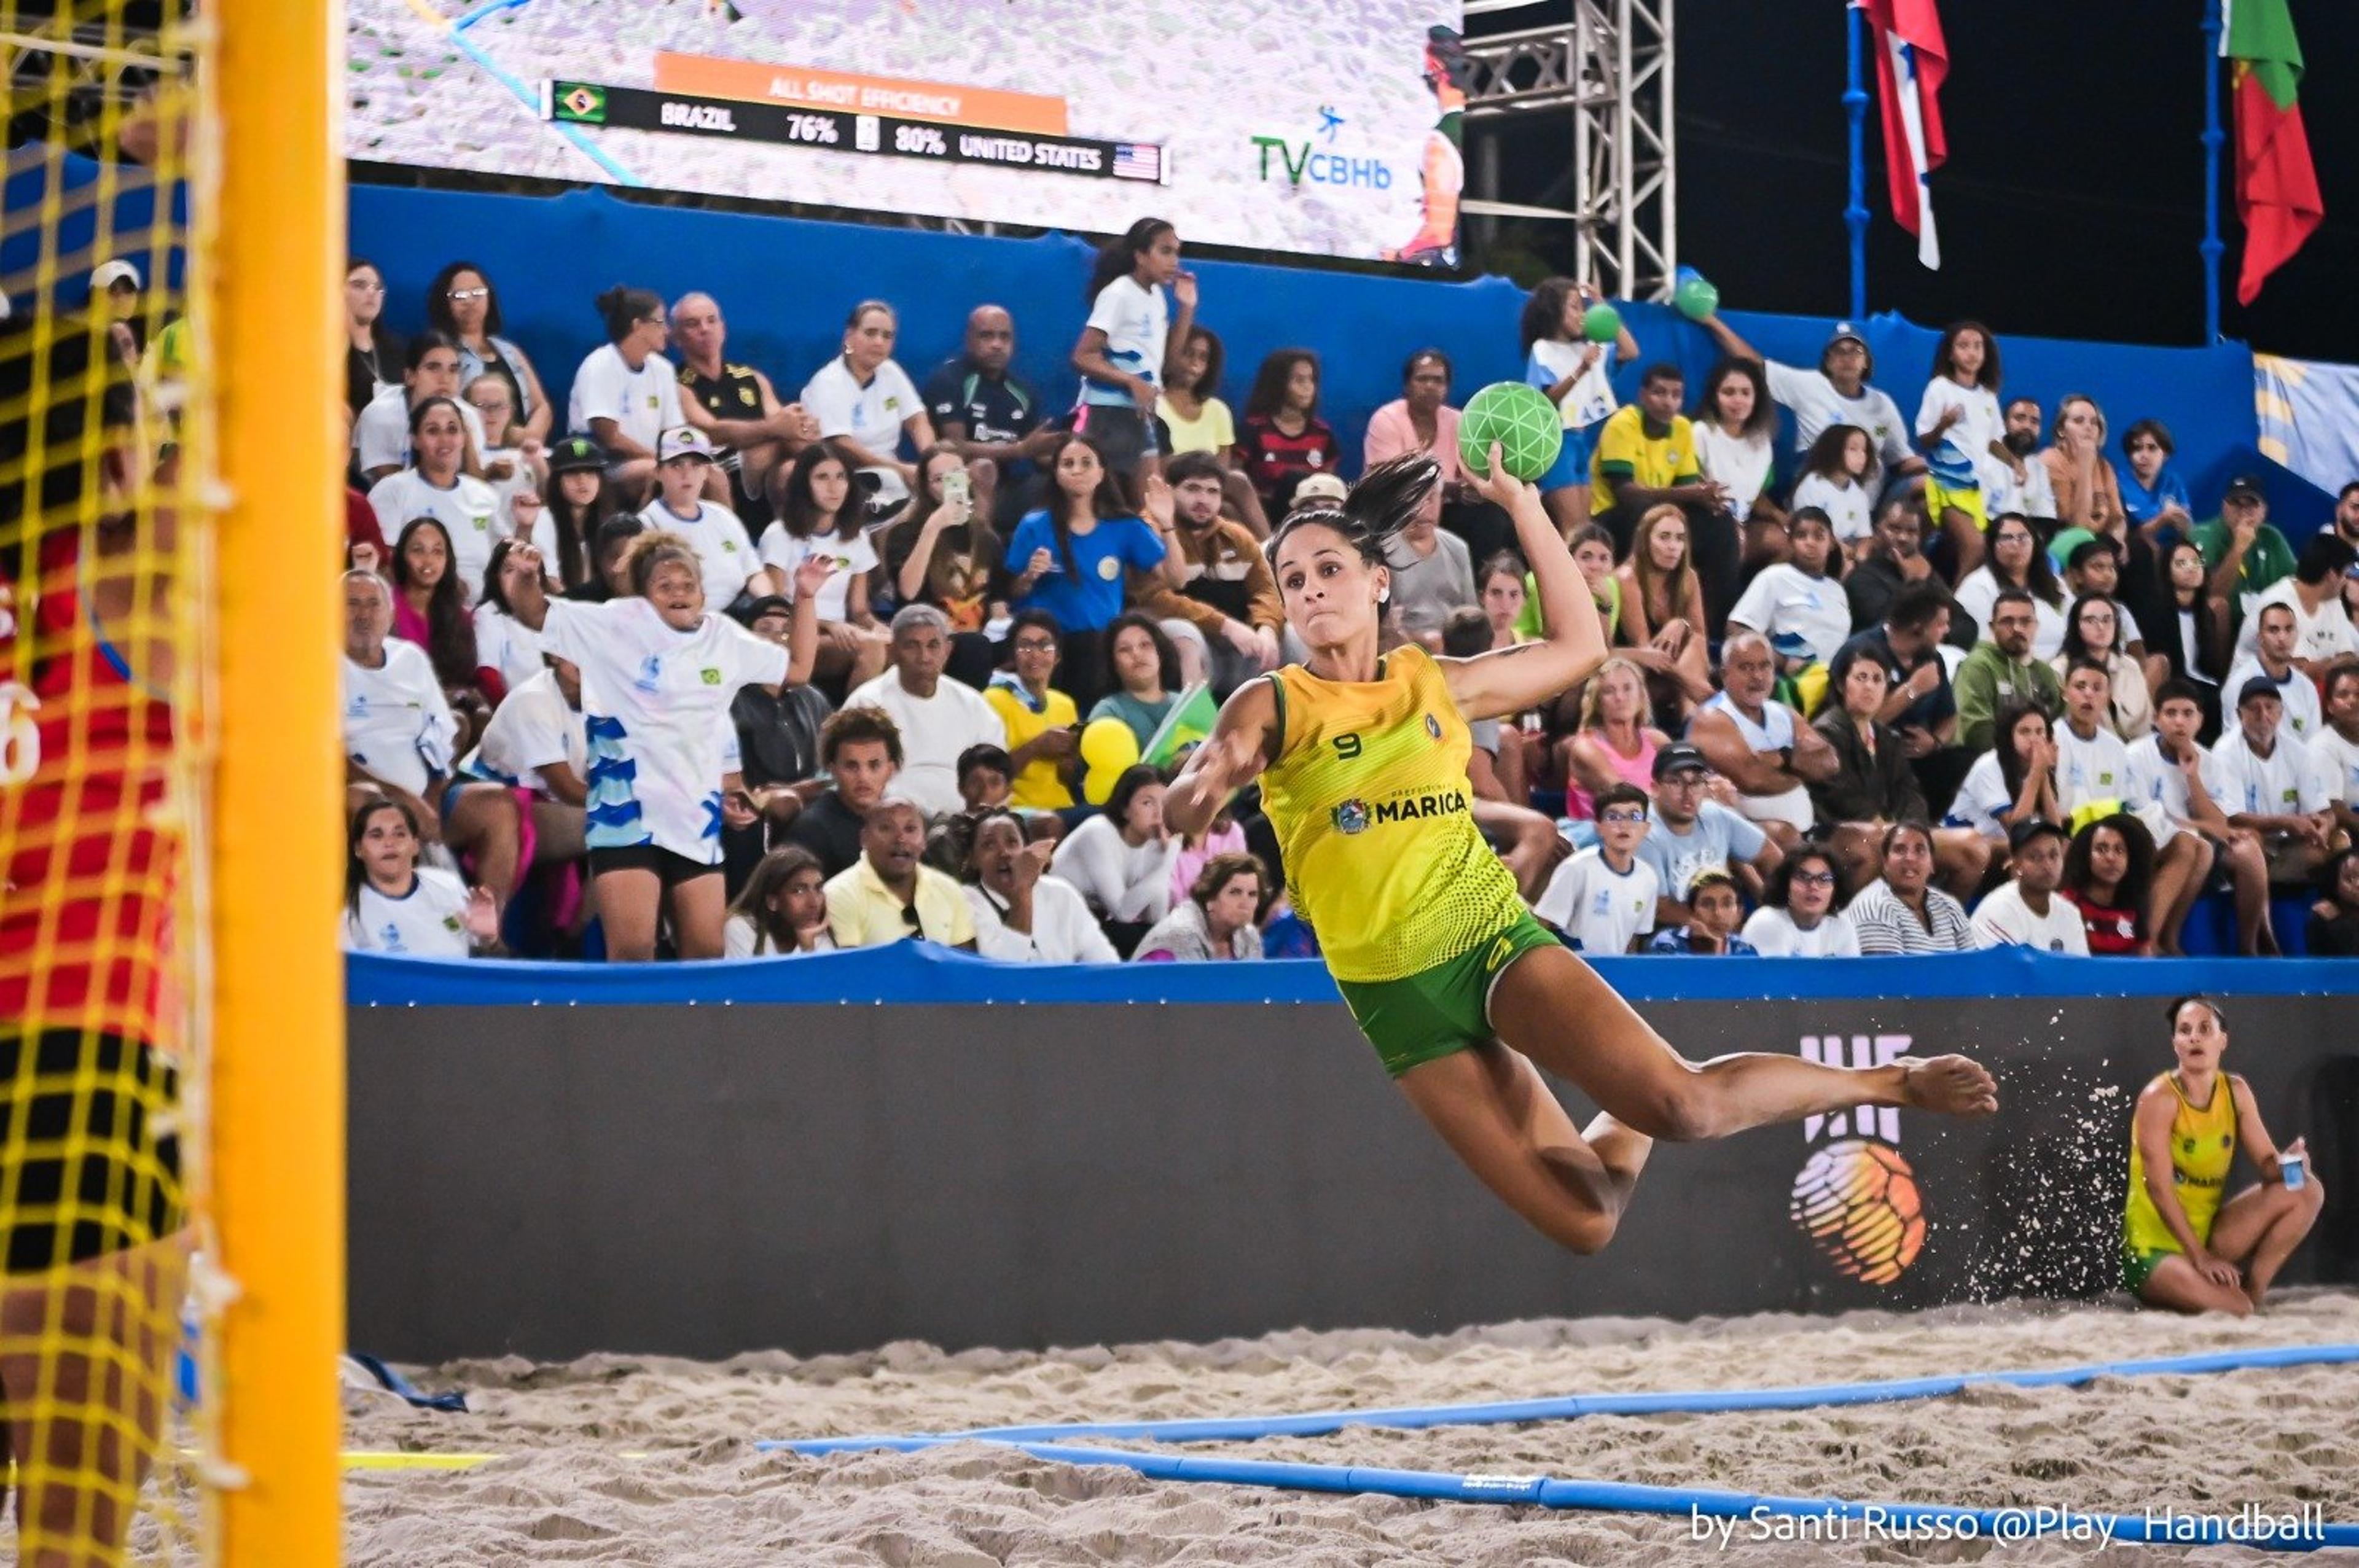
x=1526 y=425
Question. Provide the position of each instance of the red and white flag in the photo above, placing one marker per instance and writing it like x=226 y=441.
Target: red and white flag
x=1911 y=59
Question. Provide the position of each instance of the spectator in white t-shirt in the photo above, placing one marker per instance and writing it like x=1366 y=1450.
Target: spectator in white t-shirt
x=439 y=488
x=2322 y=629
x=2272 y=785
x=782 y=910
x=398 y=738
x=1022 y=915
x=381 y=430
x=725 y=551
x=1603 y=899
x=1837 y=393
x=1834 y=481
x=2336 y=745
x=507 y=620
x=2272 y=660
x=819 y=517
x=2020 y=482
x=1801 y=592
x=515 y=461
x=1797 y=918
x=1960 y=424
x=1736 y=426
x=941 y=719
x=1126 y=348
x=626 y=394
x=658 y=674
x=394 y=906
x=2093 y=764
x=2028 y=911
x=1121 y=858
x=1576 y=375
x=865 y=403
x=536 y=743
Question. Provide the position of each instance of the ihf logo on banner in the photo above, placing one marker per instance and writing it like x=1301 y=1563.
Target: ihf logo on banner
x=1855 y=1197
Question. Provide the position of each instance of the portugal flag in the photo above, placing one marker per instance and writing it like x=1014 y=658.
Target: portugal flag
x=2277 y=187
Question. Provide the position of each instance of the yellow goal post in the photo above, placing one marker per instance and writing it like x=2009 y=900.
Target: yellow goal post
x=171 y=1017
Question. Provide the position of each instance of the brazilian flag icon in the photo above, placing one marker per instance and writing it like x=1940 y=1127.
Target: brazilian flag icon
x=580 y=102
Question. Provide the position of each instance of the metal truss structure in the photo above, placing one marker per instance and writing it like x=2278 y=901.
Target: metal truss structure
x=1610 y=66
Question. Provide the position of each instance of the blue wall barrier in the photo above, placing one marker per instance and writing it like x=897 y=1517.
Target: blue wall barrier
x=917 y=972
x=787 y=284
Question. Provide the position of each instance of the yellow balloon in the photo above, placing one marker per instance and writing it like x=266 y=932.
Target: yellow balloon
x=1108 y=746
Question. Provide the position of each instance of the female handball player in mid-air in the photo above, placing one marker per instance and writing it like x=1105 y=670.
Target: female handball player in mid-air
x=1362 y=758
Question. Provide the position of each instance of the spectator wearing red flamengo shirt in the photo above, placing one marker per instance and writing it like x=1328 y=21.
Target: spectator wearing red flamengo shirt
x=1282 y=440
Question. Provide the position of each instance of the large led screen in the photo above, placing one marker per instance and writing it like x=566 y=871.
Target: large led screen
x=1322 y=126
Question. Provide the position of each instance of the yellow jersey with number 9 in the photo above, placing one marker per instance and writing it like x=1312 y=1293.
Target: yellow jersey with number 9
x=1370 y=801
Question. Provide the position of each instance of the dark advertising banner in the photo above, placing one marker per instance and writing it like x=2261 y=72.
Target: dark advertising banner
x=555 y=1180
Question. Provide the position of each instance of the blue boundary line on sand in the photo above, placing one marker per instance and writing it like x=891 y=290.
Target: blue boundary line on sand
x=2004 y=1524
x=1704 y=1401
x=1615 y=1497
x=524 y=95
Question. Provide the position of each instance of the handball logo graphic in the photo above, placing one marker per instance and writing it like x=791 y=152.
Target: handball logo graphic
x=1352 y=816
x=1857 y=1199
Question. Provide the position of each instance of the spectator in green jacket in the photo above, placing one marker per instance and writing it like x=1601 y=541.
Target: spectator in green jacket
x=2244 y=552
x=2002 y=669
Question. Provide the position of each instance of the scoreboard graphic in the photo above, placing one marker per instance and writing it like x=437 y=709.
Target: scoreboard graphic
x=1328 y=127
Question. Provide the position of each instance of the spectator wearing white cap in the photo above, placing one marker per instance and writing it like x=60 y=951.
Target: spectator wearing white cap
x=1022 y=914
x=866 y=403
x=625 y=393
x=939 y=718
x=115 y=288
x=725 y=551
x=1837 y=393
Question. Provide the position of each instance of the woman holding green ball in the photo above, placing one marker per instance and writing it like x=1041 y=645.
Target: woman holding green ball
x=1574 y=371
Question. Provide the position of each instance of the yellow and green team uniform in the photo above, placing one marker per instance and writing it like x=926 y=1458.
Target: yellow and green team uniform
x=2202 y=1148
x=1629 y=452
x=1415 y=914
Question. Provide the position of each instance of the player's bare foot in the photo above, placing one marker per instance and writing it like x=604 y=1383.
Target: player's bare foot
x=1953 y=1086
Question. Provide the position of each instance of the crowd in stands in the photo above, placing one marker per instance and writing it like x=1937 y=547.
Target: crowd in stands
x=696 y=668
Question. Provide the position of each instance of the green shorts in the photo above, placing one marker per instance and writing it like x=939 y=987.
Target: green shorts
x=1447 y=1007
x=2138 y=1264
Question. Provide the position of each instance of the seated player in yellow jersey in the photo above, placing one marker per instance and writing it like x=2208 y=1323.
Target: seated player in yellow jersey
x=1362 y=760
x=2182 y=1246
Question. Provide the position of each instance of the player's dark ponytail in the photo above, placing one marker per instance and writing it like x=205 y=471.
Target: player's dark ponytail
x=1387 y=499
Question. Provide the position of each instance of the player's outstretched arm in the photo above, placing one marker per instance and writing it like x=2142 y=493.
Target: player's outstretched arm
x=1572 y=640
x=1244 y=741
